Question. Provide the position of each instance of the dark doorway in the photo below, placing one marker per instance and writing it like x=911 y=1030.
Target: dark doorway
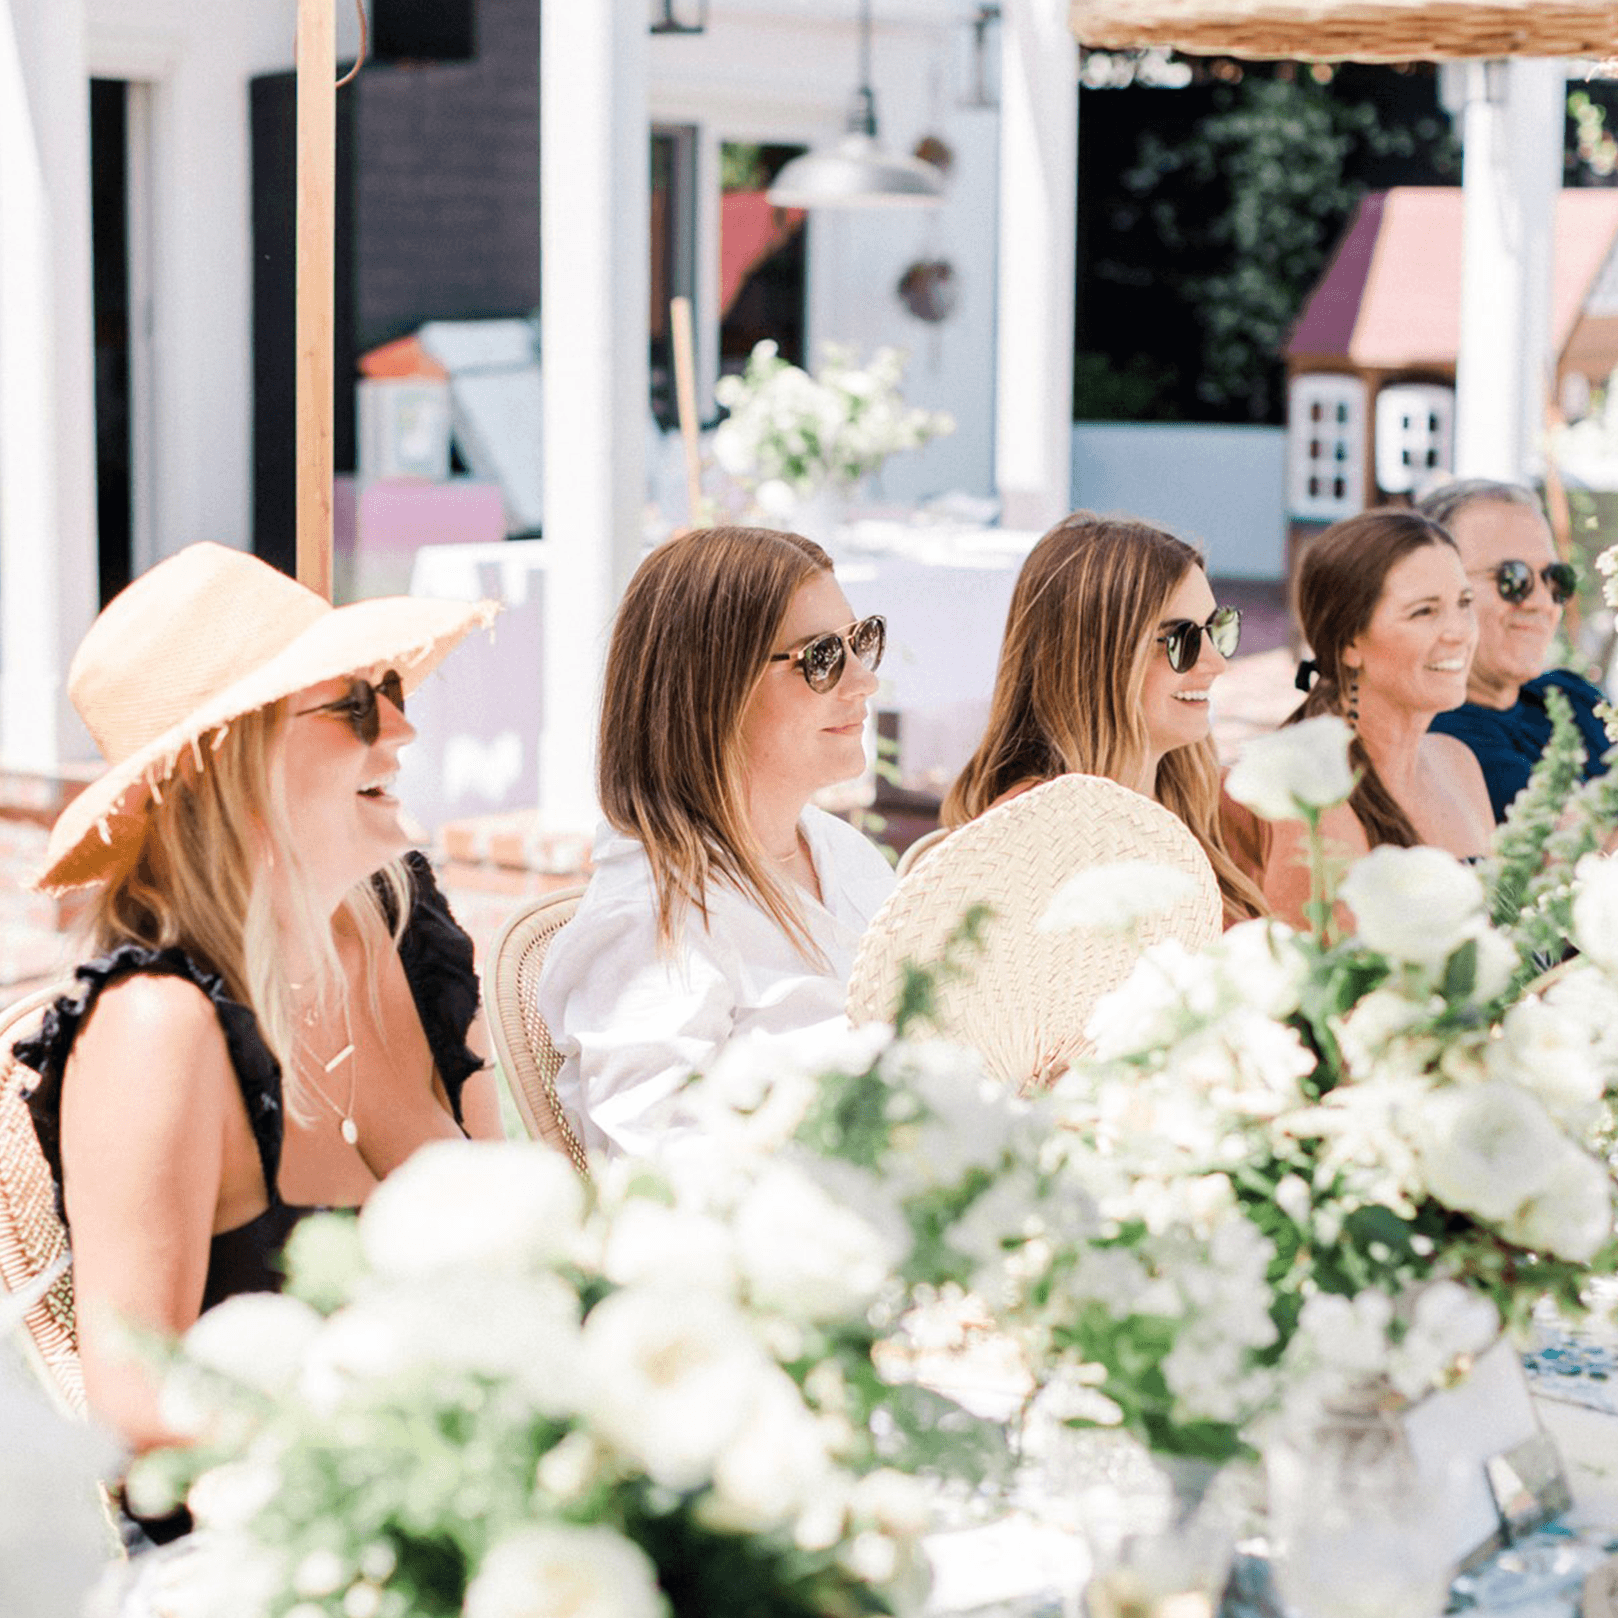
x=109 y=244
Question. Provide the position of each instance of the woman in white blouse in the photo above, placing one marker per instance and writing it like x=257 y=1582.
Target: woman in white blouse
x=722 y=902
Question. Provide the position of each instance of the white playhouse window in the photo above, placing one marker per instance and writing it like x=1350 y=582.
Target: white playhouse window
x=1415 y=434
x=1326 y=446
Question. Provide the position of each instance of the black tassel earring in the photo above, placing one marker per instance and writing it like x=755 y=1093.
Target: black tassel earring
x=1353 y=696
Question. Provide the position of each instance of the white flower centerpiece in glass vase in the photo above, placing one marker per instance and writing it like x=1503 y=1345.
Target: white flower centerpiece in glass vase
x=500 y=1392
x=800 y=445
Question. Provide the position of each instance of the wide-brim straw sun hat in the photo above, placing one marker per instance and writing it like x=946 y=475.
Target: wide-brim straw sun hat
x=201 y=639
x=1023 y=1001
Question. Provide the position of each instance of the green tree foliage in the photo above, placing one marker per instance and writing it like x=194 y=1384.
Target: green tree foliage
x=1250 y=206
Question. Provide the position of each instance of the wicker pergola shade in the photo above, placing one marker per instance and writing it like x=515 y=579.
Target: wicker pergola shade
x=1352 y=30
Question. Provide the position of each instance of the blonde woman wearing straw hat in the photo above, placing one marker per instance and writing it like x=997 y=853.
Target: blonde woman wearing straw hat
x=723 y=902
x=1113 y=641
x=279 y=1005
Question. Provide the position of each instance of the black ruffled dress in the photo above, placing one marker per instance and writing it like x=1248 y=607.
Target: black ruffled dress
x=437 y=958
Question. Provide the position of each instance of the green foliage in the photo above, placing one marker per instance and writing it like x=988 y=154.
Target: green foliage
x=1278 y=155
x=1551 y=826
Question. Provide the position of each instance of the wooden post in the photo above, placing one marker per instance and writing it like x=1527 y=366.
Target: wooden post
x=685 y=393
x=316 y=205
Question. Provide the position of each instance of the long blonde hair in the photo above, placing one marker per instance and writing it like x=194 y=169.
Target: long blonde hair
x=1067 y=695
x=693 y=634
x=201 y=881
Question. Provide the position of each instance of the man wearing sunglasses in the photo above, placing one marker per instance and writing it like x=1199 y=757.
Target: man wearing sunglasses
x=1520 y=585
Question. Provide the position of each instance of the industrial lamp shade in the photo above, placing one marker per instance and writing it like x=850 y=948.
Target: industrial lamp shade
x=1352 y=30
x=857 y=173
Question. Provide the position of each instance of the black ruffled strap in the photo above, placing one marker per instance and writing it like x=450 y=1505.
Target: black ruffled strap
x=438 y=965
x=1308 y=668
x=257 y=1072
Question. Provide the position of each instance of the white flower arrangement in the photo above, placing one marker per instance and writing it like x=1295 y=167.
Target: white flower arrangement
x=790 y=435
x=649 y=1400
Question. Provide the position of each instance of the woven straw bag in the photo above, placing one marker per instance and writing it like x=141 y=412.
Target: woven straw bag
x=1353 y=30
x=33 y=1240
x=522 y=1043
x=1026 y=997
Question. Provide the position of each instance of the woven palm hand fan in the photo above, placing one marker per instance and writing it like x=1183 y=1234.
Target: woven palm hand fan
x=1025 y=997
x=1353 y=30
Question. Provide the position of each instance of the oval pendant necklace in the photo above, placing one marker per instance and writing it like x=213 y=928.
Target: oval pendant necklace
x=346 y=1127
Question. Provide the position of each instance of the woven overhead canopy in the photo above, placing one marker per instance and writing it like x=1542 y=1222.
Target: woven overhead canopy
x=1353 y=30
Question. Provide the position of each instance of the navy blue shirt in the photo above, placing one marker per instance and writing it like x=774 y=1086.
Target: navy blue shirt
x=1508 y=741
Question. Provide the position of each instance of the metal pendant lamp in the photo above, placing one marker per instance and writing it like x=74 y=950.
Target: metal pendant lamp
x=858 y=172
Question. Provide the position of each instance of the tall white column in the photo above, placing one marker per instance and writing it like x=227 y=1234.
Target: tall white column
x=1039 y=154
x=48 y=561
x=1512 y=172
x=595 y=241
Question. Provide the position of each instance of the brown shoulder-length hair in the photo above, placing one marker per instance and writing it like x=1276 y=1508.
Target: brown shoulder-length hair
x=1067 y=696
x=693 y=633
x=1340 y=582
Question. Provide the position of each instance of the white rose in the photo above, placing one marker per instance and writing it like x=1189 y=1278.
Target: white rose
x=458 y=1205
x=1116 y=898
x=232 y=1495
x=1297 y=768
x=565 y=1573
x=649 y=1242
x=1571 y=1215
x=1414 y=904
x=670 y=1377
x=255 y=1338
x=774 y=1466
x=1549 y=1053
x=1595 y=909
x=1487 y=1148
x=1262 y=963
x=804 y=1254
x=522 y=1328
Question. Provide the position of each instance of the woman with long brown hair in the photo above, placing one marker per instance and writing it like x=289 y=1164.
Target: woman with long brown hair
x=1385 y=605
x=722 y=902
x=1112 y=643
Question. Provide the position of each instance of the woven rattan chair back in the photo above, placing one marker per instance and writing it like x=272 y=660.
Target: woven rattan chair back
x=1024 y=1000
x=918 y=851
x=33 y=1239
x=528 y=1056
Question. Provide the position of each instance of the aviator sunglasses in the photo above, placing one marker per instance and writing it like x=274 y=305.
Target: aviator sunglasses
x=358 y=709
x=825 y=657
x=1182 y=640
x=1515 y=581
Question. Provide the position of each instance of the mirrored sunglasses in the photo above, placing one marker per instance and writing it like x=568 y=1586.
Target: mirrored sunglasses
x=825 y=657
x=1182 y=640
x=358 y=709
x=1515 y=581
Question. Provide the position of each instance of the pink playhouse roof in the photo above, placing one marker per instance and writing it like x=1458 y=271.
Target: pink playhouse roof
x=1391 y=297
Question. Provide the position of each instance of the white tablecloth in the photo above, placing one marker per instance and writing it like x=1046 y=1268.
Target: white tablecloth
x=945 y=592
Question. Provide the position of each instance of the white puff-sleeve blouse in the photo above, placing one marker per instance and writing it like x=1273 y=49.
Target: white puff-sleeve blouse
x=633 y=1024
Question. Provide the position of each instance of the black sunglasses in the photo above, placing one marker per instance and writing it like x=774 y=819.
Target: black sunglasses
x=1515 y=581
x=358 y=709
x=825 y=657
x=1182 y=640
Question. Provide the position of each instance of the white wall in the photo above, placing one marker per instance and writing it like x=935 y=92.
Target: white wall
x=190 y=167
x=787 y=75
x=1220 y=487
x=198 y=62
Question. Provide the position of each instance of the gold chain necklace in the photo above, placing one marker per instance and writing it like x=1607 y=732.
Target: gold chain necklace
x=346 y=1127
